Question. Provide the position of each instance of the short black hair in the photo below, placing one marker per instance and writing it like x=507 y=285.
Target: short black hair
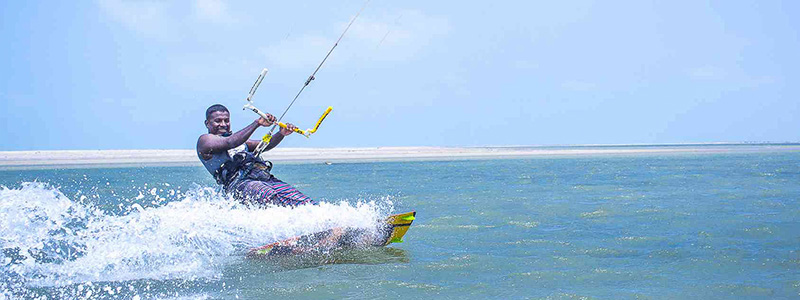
x=215 y=107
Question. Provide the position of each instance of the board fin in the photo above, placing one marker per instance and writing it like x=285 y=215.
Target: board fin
x=398 y=224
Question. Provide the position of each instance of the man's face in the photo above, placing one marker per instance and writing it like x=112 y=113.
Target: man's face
x=219 y=123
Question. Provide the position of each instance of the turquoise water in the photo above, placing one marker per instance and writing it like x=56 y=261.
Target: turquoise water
x=723 y=225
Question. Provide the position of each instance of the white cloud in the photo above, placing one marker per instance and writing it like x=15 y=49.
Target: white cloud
x=146 y=17
x=706 y=73
x=303 y=51
x=525 y=64
x=757 y=81
x=580 y=86
x=388 y=37
x=164 y=19
x=212 y=10
x=733 y=76
x=400 y=36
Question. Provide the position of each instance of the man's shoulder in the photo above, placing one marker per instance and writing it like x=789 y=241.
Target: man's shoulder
x=206 y=136
x=204 y=139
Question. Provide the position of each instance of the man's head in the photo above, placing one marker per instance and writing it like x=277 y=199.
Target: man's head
x=218 y=120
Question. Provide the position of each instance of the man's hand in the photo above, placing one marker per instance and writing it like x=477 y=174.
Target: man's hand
x=268 y=121
x=288 y=130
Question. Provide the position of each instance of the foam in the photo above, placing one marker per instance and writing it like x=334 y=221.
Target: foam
x=50 y=240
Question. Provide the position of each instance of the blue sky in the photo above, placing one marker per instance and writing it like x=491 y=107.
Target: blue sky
x=139 y=74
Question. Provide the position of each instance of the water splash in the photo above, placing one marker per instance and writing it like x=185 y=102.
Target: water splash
x=50 y=240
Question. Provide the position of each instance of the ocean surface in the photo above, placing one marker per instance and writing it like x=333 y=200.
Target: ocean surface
x=650 y=226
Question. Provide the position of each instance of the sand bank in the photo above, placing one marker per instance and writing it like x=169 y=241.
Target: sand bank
x=68 y=158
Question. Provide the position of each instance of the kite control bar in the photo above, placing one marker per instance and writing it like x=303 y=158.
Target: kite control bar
x=267 y=137
x=252 y=93
x=256 y=84
x=265 y=140
x=308 y=132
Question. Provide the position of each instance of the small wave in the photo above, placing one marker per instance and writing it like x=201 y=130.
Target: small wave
x=607 y=252
x=759 y=231
x=744 y=290
x=539 y=241
x=595 y=214
x=530 y=224
x=638 y=239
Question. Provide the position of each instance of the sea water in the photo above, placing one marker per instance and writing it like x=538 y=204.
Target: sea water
x=653 y=226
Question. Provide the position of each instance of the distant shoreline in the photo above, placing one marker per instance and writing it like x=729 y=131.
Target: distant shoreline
x=111 y=158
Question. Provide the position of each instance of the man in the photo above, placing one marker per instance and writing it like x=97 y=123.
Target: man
x=228 y=157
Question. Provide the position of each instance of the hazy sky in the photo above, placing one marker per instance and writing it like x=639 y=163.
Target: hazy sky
x=140 y=74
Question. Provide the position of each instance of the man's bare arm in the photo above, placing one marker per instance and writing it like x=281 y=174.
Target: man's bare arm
x=251 y=145
x=274 y=141
x=278 y=137
x=209 y=143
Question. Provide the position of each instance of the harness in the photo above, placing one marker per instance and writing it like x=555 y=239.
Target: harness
x=239 y=166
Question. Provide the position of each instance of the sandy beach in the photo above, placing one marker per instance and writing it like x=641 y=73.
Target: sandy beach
x=76 y=158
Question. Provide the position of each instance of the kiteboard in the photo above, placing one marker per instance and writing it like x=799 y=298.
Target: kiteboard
x=390 y=231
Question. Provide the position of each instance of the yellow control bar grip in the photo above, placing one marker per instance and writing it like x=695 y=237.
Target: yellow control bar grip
x=282 y=125
x=262 y=145
x=308 y=132
x=325 y=114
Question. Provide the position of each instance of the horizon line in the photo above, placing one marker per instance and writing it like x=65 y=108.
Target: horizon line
x=745 y=143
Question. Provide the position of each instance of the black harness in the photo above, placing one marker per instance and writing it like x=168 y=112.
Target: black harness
x=241 y=164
